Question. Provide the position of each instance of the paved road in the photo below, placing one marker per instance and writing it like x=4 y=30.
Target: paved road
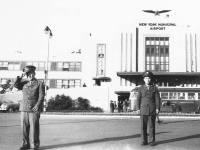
x=61 y=132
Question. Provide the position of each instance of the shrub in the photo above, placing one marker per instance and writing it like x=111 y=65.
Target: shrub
x=82 y=103
x=98 y=109
x=60 y=102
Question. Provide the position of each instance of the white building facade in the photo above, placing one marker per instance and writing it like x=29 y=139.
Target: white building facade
x=111 y=63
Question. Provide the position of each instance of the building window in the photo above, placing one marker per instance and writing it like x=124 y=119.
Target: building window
x=5 y=65
x=69 y=66
x=68 y=83
x=65 y=66
x=13 y=65
x=40 y=66
x=75 y=66
x=157 y=53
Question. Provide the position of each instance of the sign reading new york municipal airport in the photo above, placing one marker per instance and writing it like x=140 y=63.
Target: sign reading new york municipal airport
x=157 y=26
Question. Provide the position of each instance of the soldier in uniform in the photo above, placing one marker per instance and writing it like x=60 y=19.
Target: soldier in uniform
x=148 y=106
x=33 y=96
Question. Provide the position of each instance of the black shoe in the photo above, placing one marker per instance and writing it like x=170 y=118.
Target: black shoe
x=24 y=147
x=143 y=143
x=152 y=144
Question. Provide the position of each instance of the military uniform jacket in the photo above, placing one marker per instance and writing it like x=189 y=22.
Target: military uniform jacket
x=33 y=93
x=148 y=100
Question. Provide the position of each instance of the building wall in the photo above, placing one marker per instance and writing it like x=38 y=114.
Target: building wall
x=122 y=55
x=183 y=47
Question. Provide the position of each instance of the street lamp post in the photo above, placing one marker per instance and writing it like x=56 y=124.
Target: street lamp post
x=47 y=30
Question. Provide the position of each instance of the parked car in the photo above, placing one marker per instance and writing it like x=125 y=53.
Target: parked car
x=9 y=107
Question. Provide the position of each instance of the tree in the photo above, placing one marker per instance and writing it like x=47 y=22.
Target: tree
x=82 y=103
x=60 y=102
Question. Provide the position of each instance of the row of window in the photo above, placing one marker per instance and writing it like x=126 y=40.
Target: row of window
x=157 y=40
x=177 y=82
x=157 y=50
x=40 y=66
x=68 y=83
x=63 y=83
x=179 y=96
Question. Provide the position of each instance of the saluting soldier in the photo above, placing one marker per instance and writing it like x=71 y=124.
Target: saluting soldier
x=33 y=96
x=148 y=106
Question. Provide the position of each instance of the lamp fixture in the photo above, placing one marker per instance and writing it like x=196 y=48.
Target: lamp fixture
x=46 y=30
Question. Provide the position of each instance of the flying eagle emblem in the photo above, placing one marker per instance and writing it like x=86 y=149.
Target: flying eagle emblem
x=157 y=13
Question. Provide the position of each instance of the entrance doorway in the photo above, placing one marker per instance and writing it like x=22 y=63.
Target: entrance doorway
x=123 y=103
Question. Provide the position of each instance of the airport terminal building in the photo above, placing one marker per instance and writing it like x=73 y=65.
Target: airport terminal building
x=111 y=63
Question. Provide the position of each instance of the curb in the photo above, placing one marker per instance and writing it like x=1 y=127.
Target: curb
x=120 y=114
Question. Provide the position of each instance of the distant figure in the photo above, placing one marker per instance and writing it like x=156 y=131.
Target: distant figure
x=128 y=108
x=84 y=85
x=124 y=106
x=115 y=105
x=118 y=108
x=111 y=106
x=120 y=105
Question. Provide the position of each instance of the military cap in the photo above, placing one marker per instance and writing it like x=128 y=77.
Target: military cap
x=147 y=74
x=29 y=68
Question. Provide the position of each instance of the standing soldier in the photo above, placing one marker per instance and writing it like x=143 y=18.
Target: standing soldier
x=112 y=106
x=148 y=106
x=33 y=96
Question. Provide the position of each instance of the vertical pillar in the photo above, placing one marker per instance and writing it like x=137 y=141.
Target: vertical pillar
x=126 y=52
x=191 y=55
x=131 y=53
x=121 y=57
x=186 y=51
x=137 y=31
x=195 y=53
x=126 y=58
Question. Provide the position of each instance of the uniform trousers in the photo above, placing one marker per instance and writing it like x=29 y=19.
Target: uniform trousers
x=145 y=119
x=30 y=125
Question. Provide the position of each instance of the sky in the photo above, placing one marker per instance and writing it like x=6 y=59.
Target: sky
x=22 y=22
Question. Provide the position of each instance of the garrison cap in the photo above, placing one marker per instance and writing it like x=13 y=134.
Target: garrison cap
x=29 y=68
x=147 y=74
